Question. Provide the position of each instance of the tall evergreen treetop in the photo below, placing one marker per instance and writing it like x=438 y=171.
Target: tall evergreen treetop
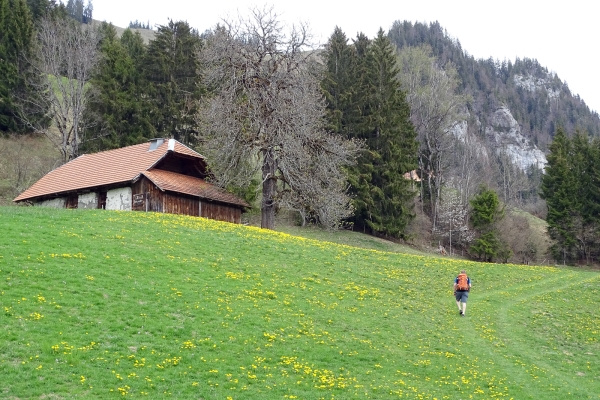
x=571 y=188
x=338 y=81
x=172 y=70
x=365 y=102
x=40 y=8
x=134 y=43
x=486 y=212
x=16 y=38
x=120 y=106
x=392 y=136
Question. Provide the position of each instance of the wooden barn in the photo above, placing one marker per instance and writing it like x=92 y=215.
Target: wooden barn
x=160 y=176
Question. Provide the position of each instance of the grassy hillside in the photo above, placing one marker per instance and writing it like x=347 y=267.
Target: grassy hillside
x=99 y=304
x=23 y=160
x=147 y=34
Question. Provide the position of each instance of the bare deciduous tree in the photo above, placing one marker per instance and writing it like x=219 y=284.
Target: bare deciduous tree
x=267 y=115
x=453 y=219
x=65 y=57
x=470 y=162
x=435 y=110
x=511 y=179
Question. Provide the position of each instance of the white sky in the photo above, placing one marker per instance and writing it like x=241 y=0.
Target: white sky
x=562 y=36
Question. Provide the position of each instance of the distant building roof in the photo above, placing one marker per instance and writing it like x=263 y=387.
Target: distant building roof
x=412 y=176
x=125 y=165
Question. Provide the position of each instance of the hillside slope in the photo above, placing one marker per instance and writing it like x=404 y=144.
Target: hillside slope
x=516 y=104
x=101 y=304
x=146 y=34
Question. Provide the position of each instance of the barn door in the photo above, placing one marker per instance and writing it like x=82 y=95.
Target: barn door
x=72 y=201
x=102 y=200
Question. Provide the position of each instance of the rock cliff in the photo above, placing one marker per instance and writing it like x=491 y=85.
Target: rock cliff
x=504 y=135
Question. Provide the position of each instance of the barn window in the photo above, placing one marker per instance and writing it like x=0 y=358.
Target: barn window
x=72 y=201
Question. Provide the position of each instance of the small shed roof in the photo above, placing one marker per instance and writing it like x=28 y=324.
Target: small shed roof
x=174 y=182
x=106 y=168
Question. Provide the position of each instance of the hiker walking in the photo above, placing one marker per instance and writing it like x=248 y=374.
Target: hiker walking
x=462 y=285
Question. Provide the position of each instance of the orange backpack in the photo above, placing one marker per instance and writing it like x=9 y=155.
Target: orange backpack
x=462 y=282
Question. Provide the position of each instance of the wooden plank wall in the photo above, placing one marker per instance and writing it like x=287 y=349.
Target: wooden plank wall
x=156 y=200
x=139 y=188
x=221 y=212
x=181 y=204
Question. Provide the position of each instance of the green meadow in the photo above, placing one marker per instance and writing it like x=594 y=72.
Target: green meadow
x=100 y=304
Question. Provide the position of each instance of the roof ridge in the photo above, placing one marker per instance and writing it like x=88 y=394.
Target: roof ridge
x=107 y=167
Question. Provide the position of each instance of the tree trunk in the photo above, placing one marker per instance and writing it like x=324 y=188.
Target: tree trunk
x=268 y=188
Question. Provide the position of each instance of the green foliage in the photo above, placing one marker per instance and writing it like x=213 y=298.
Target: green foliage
x=338 y=81
x=16 y=38
x=486 y=209
x=80 y=13
x=145 y=91
x=485 y=214
x=486 y=246
x=364 y=101
x=393 y=137
x=249 y=192
x=173 y=77
x=571 y=188
x=100 y=304
x=139 y=25
x=119 y=106
x=40 y=8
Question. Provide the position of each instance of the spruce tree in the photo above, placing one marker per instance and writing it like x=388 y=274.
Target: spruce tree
x=119 y=106
x=365 y=102
x=88 y=13
x=486 y=213
x=16 y=38
x=338 y=82
x=559 y=189
x=172 y=71
x=40 y=8
x=392 y=140
x=594 y=198
x=70 y=6
x=587 y=208
x=75 y=9
x=134 y=44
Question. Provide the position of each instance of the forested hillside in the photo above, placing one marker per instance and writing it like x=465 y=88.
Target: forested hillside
x=537 y=98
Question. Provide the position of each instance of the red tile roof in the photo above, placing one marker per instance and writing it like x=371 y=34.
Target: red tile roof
x=123 y=166
x=174 y=182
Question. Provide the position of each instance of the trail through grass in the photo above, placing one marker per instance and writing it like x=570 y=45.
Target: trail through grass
x=99 y=304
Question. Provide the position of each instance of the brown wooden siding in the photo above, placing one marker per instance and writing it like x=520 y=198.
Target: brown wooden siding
x=152 y=196
x=180 y=204
x=155 y=200
x=220 y=212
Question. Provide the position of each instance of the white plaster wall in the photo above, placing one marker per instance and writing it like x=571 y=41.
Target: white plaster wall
x=59 y=202
x=119 y=199
x=88 y=200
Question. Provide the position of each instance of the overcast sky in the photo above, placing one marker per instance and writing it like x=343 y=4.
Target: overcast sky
x=562 y=36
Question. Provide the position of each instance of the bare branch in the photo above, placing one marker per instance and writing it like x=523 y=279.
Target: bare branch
x=65 y=57
x=267 y=114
